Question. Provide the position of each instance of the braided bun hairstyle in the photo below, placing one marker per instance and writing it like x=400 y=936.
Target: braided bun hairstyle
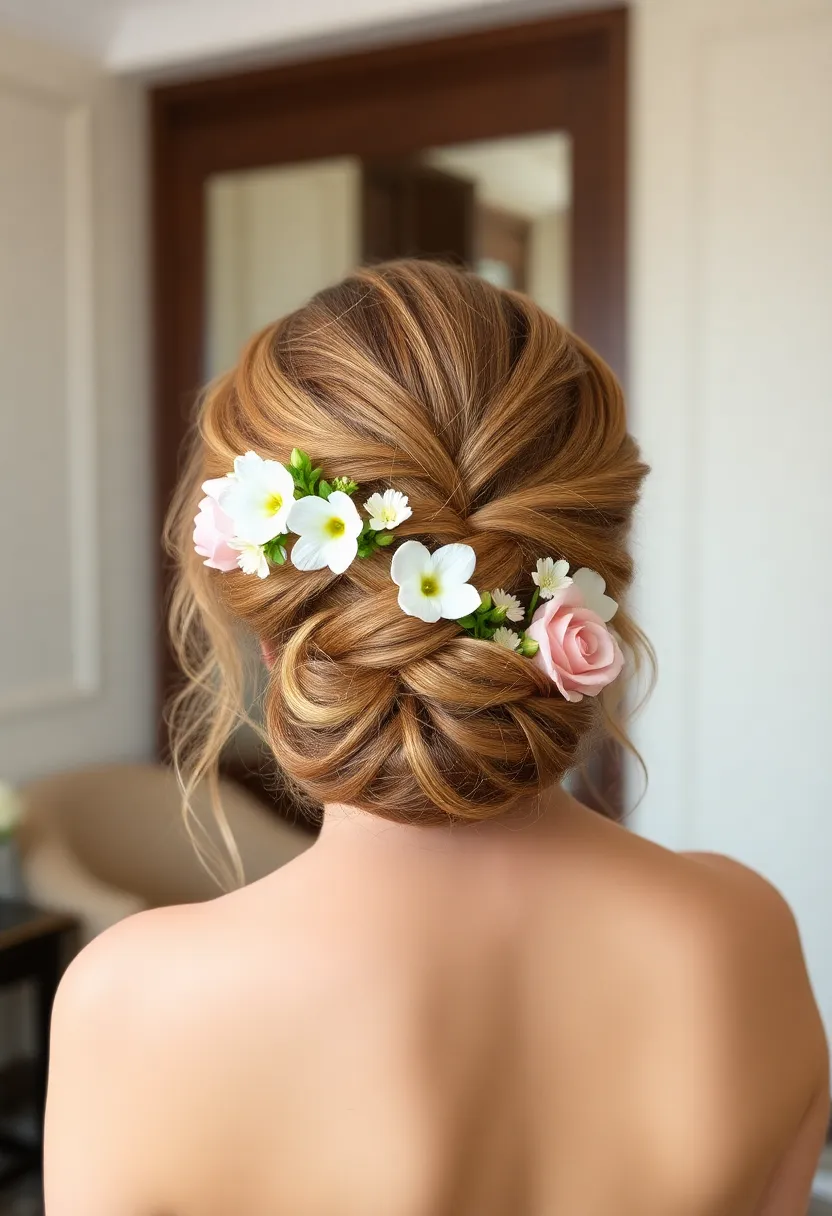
x=507 y=433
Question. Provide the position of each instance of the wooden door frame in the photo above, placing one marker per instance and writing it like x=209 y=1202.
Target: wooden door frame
x=560 y=74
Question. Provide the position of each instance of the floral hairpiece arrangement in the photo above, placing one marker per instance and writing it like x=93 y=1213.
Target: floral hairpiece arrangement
x=566 y=635
x=247 y=517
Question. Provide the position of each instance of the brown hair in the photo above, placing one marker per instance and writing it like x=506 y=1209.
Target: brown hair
x=507 y=433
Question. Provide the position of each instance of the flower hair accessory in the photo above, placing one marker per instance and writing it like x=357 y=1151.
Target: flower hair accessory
x=246 y=519
x=574 y=646
x=566 y=632
x=434 y=585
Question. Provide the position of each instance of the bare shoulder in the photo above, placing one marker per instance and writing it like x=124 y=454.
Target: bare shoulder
x=146 y=1034
x=111 y=954
x=169 y=977
x=733 y=1020
x=727 y=886
x=743 y=952
x=728 y=948
x=742 y=937
x=129 y=977
x=117 y=980
x=100 y=1114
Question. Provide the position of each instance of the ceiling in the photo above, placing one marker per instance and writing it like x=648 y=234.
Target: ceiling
x=85 y=25
x=159 y=36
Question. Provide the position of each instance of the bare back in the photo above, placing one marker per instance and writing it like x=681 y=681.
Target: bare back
x=555 y=1019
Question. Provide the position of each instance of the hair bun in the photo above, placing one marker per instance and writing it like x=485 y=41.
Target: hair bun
x=507 y=433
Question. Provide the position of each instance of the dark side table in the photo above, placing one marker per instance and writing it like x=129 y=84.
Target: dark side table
x=35 y=946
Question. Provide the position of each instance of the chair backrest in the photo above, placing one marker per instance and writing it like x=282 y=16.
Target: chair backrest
x=124 y=825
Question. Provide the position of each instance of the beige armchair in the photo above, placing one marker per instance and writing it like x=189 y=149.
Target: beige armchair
x=105 y=842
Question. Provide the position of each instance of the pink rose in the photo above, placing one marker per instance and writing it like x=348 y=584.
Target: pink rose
x=214 y=529
x=577 y=650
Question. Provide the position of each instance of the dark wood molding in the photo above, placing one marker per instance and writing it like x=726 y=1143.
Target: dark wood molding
x=561 y=74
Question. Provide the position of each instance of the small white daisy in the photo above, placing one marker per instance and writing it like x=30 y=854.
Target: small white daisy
x=252 y=559
x=551 y=576
x=506 y=638
x=504 y=599
x=387 y=510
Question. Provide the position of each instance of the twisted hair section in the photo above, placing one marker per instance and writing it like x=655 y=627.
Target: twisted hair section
x=507 y=433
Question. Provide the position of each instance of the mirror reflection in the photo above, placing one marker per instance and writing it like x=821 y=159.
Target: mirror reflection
x=278 y=235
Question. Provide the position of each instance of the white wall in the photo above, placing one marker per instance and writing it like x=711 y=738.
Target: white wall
x=275 y=237
x=76 y=613
x=731 y=280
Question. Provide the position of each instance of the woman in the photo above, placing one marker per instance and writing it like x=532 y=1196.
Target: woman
x=473 y=996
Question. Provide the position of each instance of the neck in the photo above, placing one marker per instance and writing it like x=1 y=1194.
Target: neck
x=349 y=827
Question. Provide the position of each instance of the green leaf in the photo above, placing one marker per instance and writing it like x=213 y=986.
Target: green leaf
x=275 y=550
x=324 y=489
x=467 y=622
x=314 y=477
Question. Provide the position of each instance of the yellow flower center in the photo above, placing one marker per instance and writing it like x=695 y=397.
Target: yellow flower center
x=430 y=586
x=273 y=504
x=335 y=526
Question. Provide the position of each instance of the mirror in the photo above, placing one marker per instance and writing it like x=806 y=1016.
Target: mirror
x=276 y=236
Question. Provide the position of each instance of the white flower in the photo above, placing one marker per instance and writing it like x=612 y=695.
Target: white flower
x=258 y=498
x=11 y=810
x=387 y=510
x=434 y=585
x=592 y=588
x=503 y=599
x=550 y=576
x=328 y=531
x=506 y=638
x=252 y=559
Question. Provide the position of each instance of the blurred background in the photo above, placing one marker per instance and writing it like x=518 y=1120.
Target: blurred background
x=175 y=174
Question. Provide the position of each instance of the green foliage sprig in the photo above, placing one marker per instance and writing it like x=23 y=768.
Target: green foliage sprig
x=490 y=617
